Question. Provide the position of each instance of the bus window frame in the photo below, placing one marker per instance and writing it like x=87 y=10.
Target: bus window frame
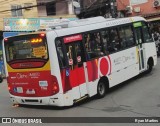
x=101 y=41
x=64 y=52
x=117 y=29
x=141 y=27
x=92 y=32
x=132 y=29
x=148 y=30
x=29 y=59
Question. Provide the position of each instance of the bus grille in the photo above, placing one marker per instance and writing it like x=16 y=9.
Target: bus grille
x=31 y=100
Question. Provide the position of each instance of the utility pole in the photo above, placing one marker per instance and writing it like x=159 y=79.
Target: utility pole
x=112 y=8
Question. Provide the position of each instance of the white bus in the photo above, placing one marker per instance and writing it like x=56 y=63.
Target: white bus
x=65 y=65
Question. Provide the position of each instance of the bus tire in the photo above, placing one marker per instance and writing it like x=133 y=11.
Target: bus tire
x=149 y=65
x=101 y=89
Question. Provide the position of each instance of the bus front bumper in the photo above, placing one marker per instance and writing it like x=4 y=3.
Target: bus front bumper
x=56 y=100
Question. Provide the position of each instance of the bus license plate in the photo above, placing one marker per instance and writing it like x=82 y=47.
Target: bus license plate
x=19 y=90
x=30 y=91
x=43 y=83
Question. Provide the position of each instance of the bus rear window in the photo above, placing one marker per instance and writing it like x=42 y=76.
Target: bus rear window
x=26 y=47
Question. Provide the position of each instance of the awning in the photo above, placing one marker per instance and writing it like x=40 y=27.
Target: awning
x=153 y=19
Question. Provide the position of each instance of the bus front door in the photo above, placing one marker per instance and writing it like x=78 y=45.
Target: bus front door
x=140 y=49
x=76 y=58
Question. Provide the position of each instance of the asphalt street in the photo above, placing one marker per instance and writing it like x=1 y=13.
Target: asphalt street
x=138 y=97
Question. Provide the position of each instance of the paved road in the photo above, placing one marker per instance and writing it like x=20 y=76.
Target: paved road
x=139 y=97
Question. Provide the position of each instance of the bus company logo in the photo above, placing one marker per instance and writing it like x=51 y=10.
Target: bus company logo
x=124 y=59
x=34 y=75
x=28 y=75
x=104 y=65
x=21 y=76
x=26 y=65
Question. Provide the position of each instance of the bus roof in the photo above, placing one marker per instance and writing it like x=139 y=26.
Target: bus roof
x=100 y=19
x=87 y=24
x=90 y=24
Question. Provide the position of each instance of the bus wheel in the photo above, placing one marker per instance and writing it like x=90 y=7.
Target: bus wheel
x=101 y=89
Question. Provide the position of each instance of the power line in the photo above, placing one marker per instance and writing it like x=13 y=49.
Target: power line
x=90 y=8
x=41 y=4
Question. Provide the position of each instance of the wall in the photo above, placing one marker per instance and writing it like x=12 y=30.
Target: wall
x=61 y=8
x=6 y=5
x=145 y=8
x=87 y=3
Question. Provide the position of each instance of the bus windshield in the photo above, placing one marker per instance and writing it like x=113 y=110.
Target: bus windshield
x=26 y=47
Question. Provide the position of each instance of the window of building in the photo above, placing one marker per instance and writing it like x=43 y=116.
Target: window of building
x=51 y=8
x=28 y=6
x=16 y=11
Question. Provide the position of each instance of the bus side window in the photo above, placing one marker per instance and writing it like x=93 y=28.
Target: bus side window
x=93 y=45
x=122 y=37
x=129 y=36
x=105 y=41
x=147 y=36
x=75 y=54
x=114 y=42
x=126 y=37
x=60 y=54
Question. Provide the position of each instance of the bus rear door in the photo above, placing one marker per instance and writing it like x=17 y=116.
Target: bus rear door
x=139 y=42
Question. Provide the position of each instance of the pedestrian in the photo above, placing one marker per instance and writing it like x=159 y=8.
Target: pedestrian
x=156 y=38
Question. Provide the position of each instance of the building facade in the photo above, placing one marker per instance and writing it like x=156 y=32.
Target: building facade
x=17 y=16
x=7 y=6
x=36 y=9
x=92 y=8
x=144 y=8
x=63 y=8
x=149 y=9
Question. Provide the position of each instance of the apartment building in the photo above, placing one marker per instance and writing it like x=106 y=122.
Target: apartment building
x=146 y=8
x=18 y=16
x=26 y=9
x=7 y=6
x=149 y=9
x=91 y=8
